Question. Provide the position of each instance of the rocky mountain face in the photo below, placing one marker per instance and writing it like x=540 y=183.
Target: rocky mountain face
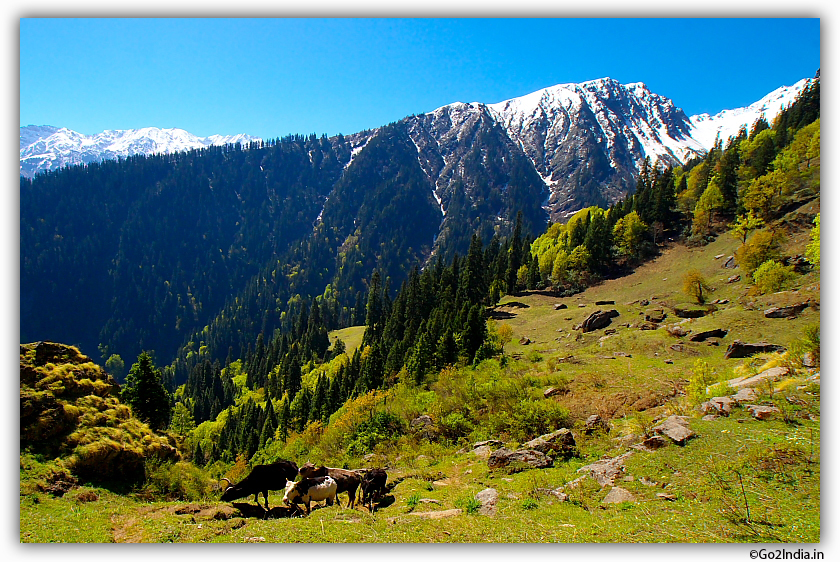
x=584 y=142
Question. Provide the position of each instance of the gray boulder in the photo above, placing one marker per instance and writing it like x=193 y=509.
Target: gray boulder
x=676 y=429
x=605 y=471
x=739 y=349
x=703 y=336
x=655 y=315
x=762 y=412
x=488 y=497
x=785 y=311
x=522 y=459
x=618 y=495
x=598 y=319
x=560 y=443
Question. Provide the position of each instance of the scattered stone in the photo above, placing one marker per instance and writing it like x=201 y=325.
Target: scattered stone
x=628 y=440
x=703 y=336
x=675 y=428
x=762 y=412
x=595 y=422
x=560 y=306
x=647 y=481
x=561 y=443
x=720 y=301
x=551 y=391
x=655 y=315
x=678 y=347
x=709 y=417
x=618 y=495
x=524 y=340
x=677 y=331
x=524 y=458
x=605 y=471
x=560 y=495
x=581 y=305
x=644 y=302
x=621 y=354
x=745 y=395
x=729 y=263
x=785 y=311
x=667 y=497
x=691 y=312
x=647 y=326
x=628 y=478
x=651 y=444
x=609 y=331
x=421 y=422
x=717 y=257
x=482 y=452
x=488 y=498
x=723 y=404
x=739 y=349
x=810 y=359
x=598 y=319
x=734 y=279
x=604 y=303
x=772 y=374
x=669 y=361
x=428 y=500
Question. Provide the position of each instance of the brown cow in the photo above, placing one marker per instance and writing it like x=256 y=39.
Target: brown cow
x=347 y=480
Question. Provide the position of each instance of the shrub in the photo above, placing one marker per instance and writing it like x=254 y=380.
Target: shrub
x=455 y=425
x=771 y=276
x=763 y=246
x=530 y=503
x=812 y=250
x=701 y=377
x=176 y=481
x=381 y=426
x=694 y=284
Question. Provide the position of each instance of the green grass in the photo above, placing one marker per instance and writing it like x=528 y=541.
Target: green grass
x=352 y=337
x=735 y=463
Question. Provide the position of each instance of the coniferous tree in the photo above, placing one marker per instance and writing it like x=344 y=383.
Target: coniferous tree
x=144 y=392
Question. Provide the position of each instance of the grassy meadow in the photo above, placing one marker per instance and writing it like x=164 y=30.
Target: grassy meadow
x=738 y=480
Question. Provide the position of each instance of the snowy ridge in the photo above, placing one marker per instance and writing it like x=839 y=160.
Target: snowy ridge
x=727 y=123
x=49 y=148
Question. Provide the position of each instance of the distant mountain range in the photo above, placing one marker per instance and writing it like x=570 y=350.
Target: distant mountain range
x=585 y=141
x=45 y=148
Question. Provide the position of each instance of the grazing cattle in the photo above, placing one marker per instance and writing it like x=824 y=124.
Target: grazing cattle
x=373 y=486
x=262 y=478
x=311 y=489
x=347 y=480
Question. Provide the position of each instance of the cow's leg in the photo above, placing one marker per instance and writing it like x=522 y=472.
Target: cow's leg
x=306 y=507
x=265 y=497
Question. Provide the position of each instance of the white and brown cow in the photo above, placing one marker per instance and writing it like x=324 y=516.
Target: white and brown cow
x=347 y=480
x=308 y=490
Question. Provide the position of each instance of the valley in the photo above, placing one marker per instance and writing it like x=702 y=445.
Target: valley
x=685 y=493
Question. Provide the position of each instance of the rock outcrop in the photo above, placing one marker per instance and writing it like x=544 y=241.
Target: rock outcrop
x=598 y=319
x=739 y=349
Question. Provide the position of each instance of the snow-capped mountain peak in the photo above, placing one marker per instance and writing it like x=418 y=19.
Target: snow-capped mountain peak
x=49 y=148
x=706 y=128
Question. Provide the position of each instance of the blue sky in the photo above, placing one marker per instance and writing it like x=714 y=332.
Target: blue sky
x=272 y=77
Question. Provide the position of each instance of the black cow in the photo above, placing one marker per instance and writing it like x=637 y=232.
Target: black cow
x=373 y=486
x=262 y=478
